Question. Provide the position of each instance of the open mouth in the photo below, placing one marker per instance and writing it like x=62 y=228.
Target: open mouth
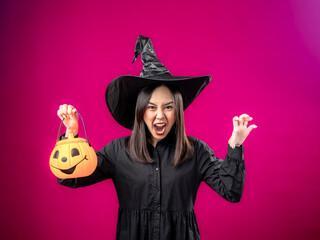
x=159 y=128
x=71 y=170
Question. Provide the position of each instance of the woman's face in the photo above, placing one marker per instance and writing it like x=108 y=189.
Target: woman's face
x=159 y=115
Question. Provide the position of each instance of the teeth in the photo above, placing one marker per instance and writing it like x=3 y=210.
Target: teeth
x=160 y=125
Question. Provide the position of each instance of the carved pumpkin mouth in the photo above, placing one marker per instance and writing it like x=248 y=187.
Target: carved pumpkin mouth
x=71 y=170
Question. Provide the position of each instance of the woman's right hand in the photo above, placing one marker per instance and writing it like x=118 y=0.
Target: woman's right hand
x=68 y=114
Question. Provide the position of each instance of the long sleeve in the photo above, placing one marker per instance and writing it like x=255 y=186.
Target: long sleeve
x=105 y=167
x=226 y=177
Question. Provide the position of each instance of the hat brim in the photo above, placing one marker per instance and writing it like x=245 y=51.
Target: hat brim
x=122 y=93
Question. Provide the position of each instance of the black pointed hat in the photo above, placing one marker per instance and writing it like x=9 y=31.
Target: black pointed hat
x=122 y=92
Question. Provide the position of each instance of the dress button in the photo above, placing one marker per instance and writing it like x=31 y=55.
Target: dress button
x=157 y=169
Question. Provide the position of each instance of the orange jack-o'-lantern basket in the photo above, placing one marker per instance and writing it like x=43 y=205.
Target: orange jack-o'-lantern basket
x=73 y=157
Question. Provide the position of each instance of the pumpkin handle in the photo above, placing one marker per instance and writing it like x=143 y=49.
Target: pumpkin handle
x=84 y=126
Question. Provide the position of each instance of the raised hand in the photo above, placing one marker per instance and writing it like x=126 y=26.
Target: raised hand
x=68 y=114
x=240 y=130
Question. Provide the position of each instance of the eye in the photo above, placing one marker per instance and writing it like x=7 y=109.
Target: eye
x=56 y=154
x=168 y=107
x=74 y=152
x=151 y=107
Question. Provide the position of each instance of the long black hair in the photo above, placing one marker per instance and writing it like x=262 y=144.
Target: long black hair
x=136 y=143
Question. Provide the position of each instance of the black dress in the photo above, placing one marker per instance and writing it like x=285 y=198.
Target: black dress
x=156 y=200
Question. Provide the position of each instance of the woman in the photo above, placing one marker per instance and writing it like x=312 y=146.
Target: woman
x=157 y=169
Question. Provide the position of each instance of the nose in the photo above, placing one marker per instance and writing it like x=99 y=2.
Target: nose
x=64 y=159
x=160 y=114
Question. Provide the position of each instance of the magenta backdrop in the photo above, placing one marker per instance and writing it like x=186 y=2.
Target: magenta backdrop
x=264 y=58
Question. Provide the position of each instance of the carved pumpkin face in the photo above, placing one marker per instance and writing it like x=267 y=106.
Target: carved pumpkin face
x=73 y=158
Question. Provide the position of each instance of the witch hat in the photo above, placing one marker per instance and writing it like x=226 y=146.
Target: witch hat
x=122 y=92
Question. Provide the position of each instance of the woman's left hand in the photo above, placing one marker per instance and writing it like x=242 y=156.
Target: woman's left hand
x=240 y=130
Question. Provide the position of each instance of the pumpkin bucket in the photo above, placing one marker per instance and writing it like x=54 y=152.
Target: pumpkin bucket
x=73 y=157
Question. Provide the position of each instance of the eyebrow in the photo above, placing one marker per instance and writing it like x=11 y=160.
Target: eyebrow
x=164 y=104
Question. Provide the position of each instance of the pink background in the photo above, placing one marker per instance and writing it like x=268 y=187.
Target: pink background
x=264 y=58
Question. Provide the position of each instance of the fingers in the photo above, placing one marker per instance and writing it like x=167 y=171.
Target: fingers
x=235 y=121
x=242 y=120
x=66 y=111
x=252 y=127
x=61 y=113
x=71 y=111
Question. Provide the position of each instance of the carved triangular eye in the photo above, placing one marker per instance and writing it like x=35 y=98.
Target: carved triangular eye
x=56 y=154
x=74 y=152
